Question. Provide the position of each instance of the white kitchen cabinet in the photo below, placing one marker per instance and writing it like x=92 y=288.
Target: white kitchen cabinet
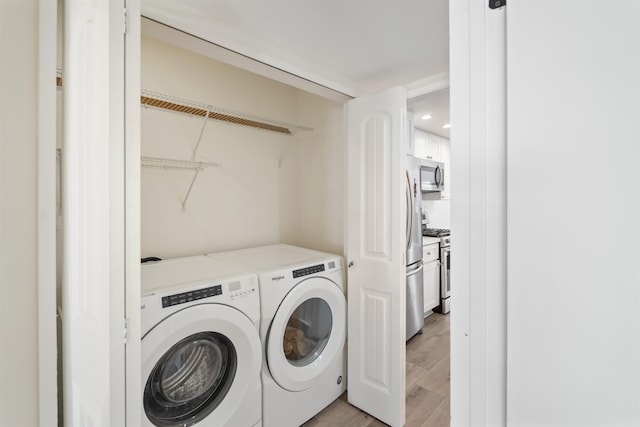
x=420 y=143
x=431 y=276
x=427 y=145
x=433 y=147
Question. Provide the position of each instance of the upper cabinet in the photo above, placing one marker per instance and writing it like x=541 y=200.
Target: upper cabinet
x=433 y=147
x=430 y=146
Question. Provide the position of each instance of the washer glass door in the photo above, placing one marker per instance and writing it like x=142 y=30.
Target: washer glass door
x=307 y=333
x=190 y=380
x=197 y=364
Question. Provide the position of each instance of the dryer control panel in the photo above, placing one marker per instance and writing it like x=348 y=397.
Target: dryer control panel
x=184 y=297
x=308 y=270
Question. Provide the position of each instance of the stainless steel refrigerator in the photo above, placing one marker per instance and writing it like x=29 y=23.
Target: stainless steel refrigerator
x=415 y=304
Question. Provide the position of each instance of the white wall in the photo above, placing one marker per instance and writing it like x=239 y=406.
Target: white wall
x=312 y=178
x=573 y=213
x=439 y=212
x=18 y=247
x=271 y=187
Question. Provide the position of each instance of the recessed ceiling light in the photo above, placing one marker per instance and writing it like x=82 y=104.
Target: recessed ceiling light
x=446 y=126
x=426 y=117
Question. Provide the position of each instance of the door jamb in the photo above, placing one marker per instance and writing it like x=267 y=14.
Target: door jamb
x=479 y=216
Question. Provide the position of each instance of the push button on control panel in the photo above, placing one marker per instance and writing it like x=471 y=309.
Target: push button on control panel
x=242 y=294
x=185 y=297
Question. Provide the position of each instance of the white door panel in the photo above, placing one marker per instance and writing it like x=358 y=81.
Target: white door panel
x=573 y=149
x=101 y=247
x=375 y=254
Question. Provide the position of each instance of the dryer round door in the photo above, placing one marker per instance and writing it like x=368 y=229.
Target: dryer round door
x=199 y=363
x=307 y=333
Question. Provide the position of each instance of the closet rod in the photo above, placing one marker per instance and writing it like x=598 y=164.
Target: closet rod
x=167 y=102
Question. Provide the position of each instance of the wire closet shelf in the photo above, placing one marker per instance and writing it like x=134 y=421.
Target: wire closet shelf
x=167 y=102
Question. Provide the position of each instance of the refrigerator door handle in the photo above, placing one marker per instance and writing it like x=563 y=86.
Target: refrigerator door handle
x=409 y=221
x=415 y=270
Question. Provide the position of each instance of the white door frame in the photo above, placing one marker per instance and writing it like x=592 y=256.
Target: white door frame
x=478 y=220
x=132 y=242
x=100 y=288
x=478 y=375
x=47 y=322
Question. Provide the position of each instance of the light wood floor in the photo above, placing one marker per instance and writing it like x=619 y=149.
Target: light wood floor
x=427 y=394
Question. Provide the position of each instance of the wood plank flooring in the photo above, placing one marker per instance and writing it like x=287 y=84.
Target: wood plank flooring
x=427 y=396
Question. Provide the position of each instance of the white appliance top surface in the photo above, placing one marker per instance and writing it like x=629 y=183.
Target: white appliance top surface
x=181 y=271
x=265 y=258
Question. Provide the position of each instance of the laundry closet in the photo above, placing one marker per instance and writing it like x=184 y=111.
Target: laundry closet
x=233 y=164
x=271 y=164
x=213 y=185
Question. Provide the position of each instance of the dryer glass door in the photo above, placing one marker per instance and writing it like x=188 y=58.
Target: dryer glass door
x=190 y=380
x=307 y=334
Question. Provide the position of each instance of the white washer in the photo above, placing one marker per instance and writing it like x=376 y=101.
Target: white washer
x=303 y=329
x=201 y=350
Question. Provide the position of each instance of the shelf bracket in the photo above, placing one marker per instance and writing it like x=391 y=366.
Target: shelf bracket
x=204 y=124
x=186 y=196
x=196 y=167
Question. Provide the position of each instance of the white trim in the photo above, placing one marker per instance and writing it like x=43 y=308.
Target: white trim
x=428 y=85
x=132 y=215
x=478 y=153
x=94 y=234
x=116 y=182
x=459 y=99
x=496 y=219
x=47 y=334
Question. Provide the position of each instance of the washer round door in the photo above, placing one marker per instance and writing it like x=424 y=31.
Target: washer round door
x=197 y=364
x=307 y=333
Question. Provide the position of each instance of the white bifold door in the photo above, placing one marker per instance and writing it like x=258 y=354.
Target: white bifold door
x=573 y=144
x=375 y=252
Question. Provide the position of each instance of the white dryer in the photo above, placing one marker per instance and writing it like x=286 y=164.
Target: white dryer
x=201 y=350
x=303 y=329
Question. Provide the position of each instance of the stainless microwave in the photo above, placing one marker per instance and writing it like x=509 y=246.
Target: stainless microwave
x=431 y=176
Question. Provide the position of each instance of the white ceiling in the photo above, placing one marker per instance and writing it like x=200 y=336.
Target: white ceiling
x=353 y=46
x=435 y=104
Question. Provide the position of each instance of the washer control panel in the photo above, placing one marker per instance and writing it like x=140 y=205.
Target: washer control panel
x=241 y=289
x=242 y=294
x=184 y=297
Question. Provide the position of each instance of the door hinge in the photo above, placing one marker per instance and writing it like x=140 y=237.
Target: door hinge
x=124 y=25
x=495 y=4
x=125 y=331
